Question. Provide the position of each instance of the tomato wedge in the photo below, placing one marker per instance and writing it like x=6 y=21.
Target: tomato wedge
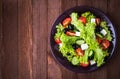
x=66 y=21
x=57 y=40
x=79 y=52
x=97 y=21
x=70 y=33
x=83 y=20
x=105 y=44
x=85 y=64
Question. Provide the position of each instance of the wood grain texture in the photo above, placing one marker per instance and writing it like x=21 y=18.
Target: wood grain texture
x=40 y=37
x=84 y=2
x=67 y=4
x=113 y=68
x=102 y=5
x=54 y=10
x=10 y=56
x=24 y=39
x=0 y=37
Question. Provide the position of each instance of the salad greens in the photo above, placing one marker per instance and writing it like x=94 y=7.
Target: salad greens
x=88 y=34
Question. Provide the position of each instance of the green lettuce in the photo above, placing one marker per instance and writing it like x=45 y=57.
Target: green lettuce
x=59 y=28
x=87 y=33
x=104 y=25
x=88 y=16
x=84 y=59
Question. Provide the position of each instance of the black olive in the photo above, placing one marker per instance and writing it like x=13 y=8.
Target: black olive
x=68 y=53
x=71 y=27
x=65 y=30
x=75 y=46
x=98 y=28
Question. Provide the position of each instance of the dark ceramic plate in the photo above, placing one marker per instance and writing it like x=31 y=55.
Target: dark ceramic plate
x=54 y=47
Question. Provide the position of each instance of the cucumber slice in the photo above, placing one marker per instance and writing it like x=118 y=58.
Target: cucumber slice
x=101 y=36
x=79 y=42
x=75 y=61
x=91 y=55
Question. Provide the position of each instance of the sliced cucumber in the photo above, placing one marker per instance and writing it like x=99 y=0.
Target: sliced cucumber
x=75 y=61
x=79 y=42
x=91 y=55
x=101 y=36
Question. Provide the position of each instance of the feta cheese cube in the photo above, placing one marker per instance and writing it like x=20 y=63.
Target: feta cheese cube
x=103 y=31
x=60 y=44
x=84 y=46
x=93 y=20
x=92 y=62
x=77 y=33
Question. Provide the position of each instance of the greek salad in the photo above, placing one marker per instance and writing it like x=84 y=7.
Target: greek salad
x=83 y=39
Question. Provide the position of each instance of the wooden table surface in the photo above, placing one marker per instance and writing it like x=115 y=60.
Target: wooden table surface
x=24 y=39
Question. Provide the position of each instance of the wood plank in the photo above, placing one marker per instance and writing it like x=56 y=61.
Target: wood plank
x=54 y=71
x=67 y=4
x=102 y=5
x=25 y=39
x=10 y=51
x=84 y=2
x=54 y=10
x=113 y=65
x=0 y=37
x=40 y=37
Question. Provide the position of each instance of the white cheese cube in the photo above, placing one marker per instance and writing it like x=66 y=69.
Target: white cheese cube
x=93 y=20
x=84 y=46
x=92 y=62
x=60 y=44
x=103 y=31
x=77 y=33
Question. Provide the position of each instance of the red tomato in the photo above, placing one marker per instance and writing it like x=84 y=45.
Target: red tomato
x=79 y=52
x=83 y=20
x=85 y=64
x=57 y=40
x=105 y=44
x=97 y=21
x=66 y=21
x=70 y=33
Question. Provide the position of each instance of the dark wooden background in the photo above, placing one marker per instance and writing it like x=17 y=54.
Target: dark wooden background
x=24 y=39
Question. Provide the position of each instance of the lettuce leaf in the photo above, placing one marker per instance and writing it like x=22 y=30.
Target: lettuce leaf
x=104 y=25
x=84 y=59
x=99 y=56
x=59 y=28
x=88 y=16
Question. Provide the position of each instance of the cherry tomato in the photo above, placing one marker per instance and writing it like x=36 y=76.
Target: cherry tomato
x=85 y=64
x=83 y=20
x=66 y=21
x=97 y=21
x=57 y=40
x=79 y=52
x=70 y=33
x=105 y=44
